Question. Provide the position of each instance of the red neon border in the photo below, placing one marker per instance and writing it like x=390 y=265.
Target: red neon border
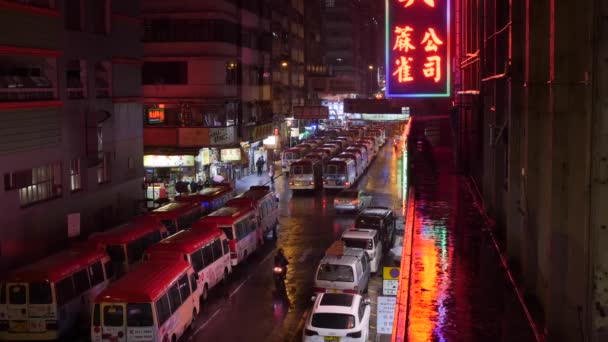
x=30 y=104
x=16 y=50
x=127 y=99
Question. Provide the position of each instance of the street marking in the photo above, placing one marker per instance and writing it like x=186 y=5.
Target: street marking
x=204 y=324
x=249 y=276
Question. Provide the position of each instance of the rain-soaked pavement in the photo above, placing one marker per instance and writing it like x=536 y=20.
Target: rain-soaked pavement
x=458 y=290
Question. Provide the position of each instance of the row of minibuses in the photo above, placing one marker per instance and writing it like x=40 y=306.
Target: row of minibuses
x=337 y=163
x=49 y=299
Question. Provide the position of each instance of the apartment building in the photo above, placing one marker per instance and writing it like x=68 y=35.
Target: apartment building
x=207 y=93
x=71 y=132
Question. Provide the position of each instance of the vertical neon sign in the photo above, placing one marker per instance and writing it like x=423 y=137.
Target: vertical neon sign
x=417 y=48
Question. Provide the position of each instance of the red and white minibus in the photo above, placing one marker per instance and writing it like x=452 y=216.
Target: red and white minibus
x=207 y=250
x=306 y=148
x=319 y=157
x=156 y=302
x=210 y=198
x=177 y=216
x=333 y=148
x=325 y=151
x=266 y=204
x=126 y=243
x=240 y=224
x=291 y=155
x=371 y=141
x=306 y=174
x=362 y=152
x=339 y=173
x=50 y=299
x=356 y=157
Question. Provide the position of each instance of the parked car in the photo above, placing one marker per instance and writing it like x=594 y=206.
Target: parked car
x=352 y=199
x=367 y=239
x=378 y=218
x=338 y=317
x=343 y=269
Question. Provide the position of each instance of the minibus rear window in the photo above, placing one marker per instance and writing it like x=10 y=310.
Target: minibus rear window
x=113 y=316
x=139 y=315
x=228 y=232
x=40 y=293
x=16 y=294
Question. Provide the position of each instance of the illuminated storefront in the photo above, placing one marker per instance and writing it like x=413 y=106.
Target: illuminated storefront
x=164 y=171
x=418 y=48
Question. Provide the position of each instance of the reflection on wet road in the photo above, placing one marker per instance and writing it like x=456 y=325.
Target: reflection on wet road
x=250 y=309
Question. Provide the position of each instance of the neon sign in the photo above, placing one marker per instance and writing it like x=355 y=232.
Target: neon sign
x=418 y=48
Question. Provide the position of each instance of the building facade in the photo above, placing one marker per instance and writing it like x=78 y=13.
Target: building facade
x=207 y=88
x=71 y=138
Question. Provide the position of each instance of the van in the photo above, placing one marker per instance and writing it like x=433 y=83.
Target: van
x=367 y=239
x=343 y=270
x=381 y=219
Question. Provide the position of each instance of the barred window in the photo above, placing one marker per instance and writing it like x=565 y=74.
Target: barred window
x=35 y=185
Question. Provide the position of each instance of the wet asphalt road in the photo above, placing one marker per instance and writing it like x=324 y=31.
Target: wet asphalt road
x=250 y=309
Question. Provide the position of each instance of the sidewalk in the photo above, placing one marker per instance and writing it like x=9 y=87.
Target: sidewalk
x=244 y=183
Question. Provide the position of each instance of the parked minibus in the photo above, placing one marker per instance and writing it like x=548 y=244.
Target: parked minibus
x=326 y=151
x=306 y=148
x=177 y=216
x=266 y=204
x=320 y=157
x=348 y=140
x=50 y=299
x=289 y=156
x=207 y=251
x=339 y=173
x=371 y=141
x=333 y=148
x=126 y=243
x=362 y=152
x=356 y=156
x=210 y=198
x=241 y=228
x=157 y=302
x=306 y=174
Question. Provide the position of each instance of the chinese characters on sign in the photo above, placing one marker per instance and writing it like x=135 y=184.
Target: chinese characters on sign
x=417 y=48
x=386 y=314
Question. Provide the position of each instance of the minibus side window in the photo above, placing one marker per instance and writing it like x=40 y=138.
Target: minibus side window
x=184 y=288
x=217 y=249
x=81 y=282
x=135 y=251
x=196 y=259
x=207 y=255
x=226 y=244
x=109 y=269
x=174 y=298
x=96 y=273
x=64 y=289
x=193 y=282
x=163 y=312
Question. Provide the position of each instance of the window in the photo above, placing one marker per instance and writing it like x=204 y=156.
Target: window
x=102 y=80
x=361 y=310
x=193 y=282
x=165 y=73
x=332 y=272
x=358 y=243
x=364 y=262
x=109 y=269
x=207 y=255
x=135 y=251
x=163 y=311
x=196 y=259
x=40 y=293
x=103 y=169
x=96 y=273
x=35 y=185
x=217 y=249
x=76 y=77
x=116 y=253
x=16 y=294
x=81 y=282
x=228 y=232
x=174 y=298
x=74 y=15
x=333 y=321
x=139 y=315
x=113 y=316
x=184 y=287
x=100 y=20
x=75 y=181
x=64 y=290
x=226 y=244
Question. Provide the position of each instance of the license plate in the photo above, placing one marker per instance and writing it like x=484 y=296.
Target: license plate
x=333 y=291
x=331 y=338
x=331 y=183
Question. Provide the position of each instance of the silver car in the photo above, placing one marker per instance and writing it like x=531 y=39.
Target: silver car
x=352 y=200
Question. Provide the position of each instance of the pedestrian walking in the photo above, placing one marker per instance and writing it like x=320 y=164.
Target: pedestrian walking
x=260 y=164
x=271 y=173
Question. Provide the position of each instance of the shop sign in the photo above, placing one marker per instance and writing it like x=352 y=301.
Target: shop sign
x=205 y=156
x=295 y=132
x=418 y=48
x=310 y=112
x=156 y=115
x=168 y=161
x=262 y=131
x=386 y=314
x=231 y=154
x=222 y=135
x=270 y=141
x=384 y=117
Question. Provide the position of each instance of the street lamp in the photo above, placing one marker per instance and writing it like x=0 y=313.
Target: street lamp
x=370 y=67
x=284 y=64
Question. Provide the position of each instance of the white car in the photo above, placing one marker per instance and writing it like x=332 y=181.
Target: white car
x=368 y=240
x=338 y=317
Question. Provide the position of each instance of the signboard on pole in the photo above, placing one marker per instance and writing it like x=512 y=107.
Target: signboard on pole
x=385 y=315
x=390 y=281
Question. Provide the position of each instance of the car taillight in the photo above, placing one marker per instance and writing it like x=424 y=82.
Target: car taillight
x=324 y=182
x=355 y=202
x=51 y=325
x=312 y=183
x=318 y=290
x=356 y=334
x=290 y=183
x=346 y=183
x=313 y=333
x=355 y=291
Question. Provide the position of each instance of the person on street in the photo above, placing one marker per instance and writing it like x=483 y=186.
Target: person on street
x=271 y=173
x=280 y=260
x=260 y=164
